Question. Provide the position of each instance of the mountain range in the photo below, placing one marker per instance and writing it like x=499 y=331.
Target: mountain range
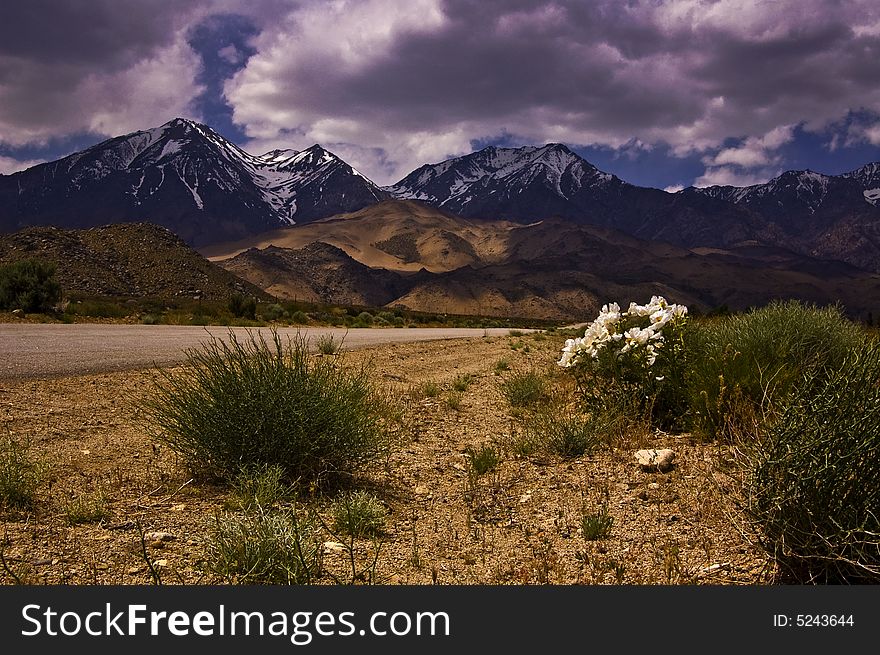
x=186 y=177
x=406 y=253
x=469 y=223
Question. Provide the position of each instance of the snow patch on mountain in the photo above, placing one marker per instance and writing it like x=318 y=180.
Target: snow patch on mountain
x=460 y=180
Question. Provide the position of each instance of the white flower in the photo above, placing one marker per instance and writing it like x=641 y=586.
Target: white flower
x=604 y=332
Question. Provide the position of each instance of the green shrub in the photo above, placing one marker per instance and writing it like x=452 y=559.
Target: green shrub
x=462 y=382
x=29 y=285
x=430 y=389
x=751 y=363
x=151 y=319
x=86 y=508
x=260 y=486
x=20 y=474
x=502 y=365
x=813 y=476
x=524 y=389
x=299 y=317
x=244 y=403
x=597 y=525
x=366 y=318
x=565 y=434
x=242 y=307
x=359 y=514
x=483 y=459
x=99 y=309
x=524 y=443
x=453 y=400
x=264 y=548
x=327 y=345
x=273 y=312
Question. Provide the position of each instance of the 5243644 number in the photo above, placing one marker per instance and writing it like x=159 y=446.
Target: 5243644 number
x=824 y=620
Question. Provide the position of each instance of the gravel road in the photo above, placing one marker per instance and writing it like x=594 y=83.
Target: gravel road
x=43 y=350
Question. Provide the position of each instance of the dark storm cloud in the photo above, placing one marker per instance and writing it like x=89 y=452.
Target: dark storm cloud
x=688 y=74
x=96 y=66
x=394 y=83
x=495 y=59
x=104 y=33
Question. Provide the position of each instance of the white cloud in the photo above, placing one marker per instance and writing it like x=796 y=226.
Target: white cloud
x=675 y=188
x=151 y=92
x=731 y=176
x=863 y=132
x=755 y=151
x=9 y=165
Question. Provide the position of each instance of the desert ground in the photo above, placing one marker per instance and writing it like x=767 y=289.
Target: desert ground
x=520 y=523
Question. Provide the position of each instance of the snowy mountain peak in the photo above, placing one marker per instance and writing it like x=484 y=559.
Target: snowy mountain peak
x=278 y=156
x=868 y=177
x=187 y=177
x=798 y=191
x=552 y=171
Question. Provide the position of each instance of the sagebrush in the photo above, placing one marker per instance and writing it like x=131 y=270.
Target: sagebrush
x=244 y=403
x=812 y=477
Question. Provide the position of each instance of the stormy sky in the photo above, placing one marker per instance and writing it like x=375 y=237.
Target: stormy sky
x=664 y=93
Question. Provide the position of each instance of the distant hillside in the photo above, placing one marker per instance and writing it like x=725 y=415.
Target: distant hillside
x=409 y=254
x=132 y=259
x=317 y=272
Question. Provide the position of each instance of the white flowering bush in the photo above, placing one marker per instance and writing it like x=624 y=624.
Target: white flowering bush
x=638 y=353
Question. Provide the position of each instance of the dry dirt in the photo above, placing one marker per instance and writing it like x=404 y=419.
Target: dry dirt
x=520 y=524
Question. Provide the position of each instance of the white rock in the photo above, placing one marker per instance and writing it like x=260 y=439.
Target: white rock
x=334 y=547
x=655 y=460
x=159 y=536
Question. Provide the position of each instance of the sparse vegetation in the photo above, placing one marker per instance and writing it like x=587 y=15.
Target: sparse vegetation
x=245 y=403
x=483 y=459
x=597 y=525
x=502 y=365
x=359 y=514
x=87 y=508
x=264 y=548
x=453 y=400
x=20 y=473
x=327 y=345
x=524 y=389
x=797 y=470
x=462 y=382
x=261 y=486
x=565 y=433
x=430 y=389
